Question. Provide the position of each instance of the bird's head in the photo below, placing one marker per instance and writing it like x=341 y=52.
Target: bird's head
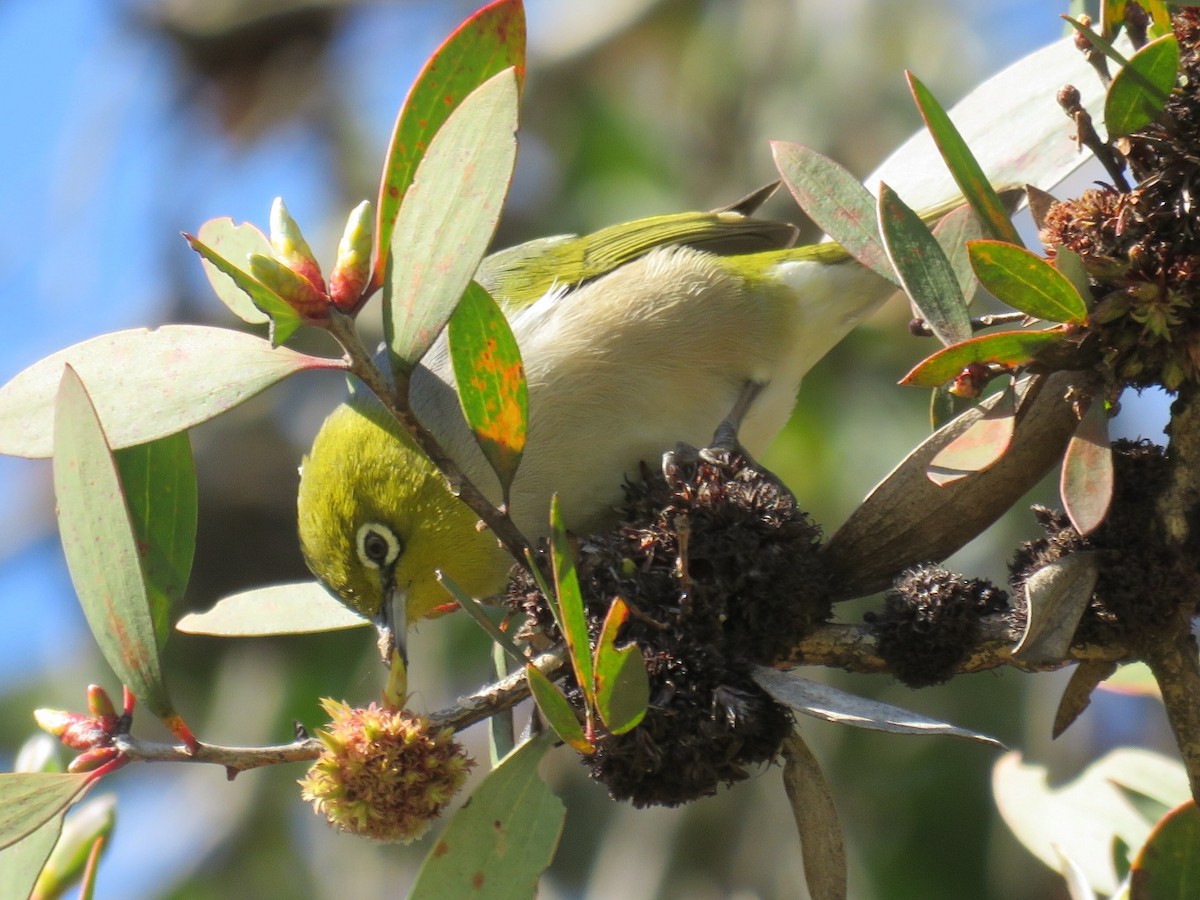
x=377 y=522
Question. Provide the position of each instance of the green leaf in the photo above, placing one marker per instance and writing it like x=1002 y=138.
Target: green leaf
x=836 y=201
x=498 y=845
x=952 y=233
x=968 y=174
x=622 y=687
x=924 y=271
x=1086 y=484
x=21 y=863
x=1168 y=866
x=448 y=217
x=1005 y=348
x=490 y=41
x=1070 y=266
x=147 y=384
x=1026 y=282
x=299 y=608
x=89 y=822
x=223 y=240
x=491 y=381
x=159 y=479
x=1112 y=16
x=1139 y=91
x=101 y=548
x=284 y=319
x=572 y=618
x=30 y=799
x=981 y=445
x=557 y=710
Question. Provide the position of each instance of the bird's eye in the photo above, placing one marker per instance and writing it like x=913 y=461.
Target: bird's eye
x=377 y=545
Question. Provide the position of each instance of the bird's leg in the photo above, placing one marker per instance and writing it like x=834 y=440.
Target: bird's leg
x=726 y=436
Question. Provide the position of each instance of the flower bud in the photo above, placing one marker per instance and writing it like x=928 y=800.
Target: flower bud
x=101 y=707
x=77 y=731
x=384 y=773
x=290 y=247
x=90 y=760
x=293 y=289
x=352 y=270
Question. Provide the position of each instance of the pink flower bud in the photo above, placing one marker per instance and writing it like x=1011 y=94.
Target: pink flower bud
x=352 y=271
x=294 y=290
x=290 y=247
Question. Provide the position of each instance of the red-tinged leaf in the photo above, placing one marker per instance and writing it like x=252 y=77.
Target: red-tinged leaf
x=147 y=384
x=981 y=445
x=298 y=608
x=159 y=480
x=490 y=41
x=569 y=600
x=448 y=217
x=836 y=201
x=232 y=245
x=1004 y=348
x=500 y=842
x=1087 y=471
x=961 y=162
x=557 y=710
x=284 y=319
x=1167 y=867
x=101 y=548
x=1139 y=91
x=491 y=381
x=811 y=798
x=952 y=232
x=30 y=799
x=924 y=271
x=622 y=688
x=1026 y=282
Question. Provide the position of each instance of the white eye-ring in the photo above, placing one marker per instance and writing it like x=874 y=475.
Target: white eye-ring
x=377 y=545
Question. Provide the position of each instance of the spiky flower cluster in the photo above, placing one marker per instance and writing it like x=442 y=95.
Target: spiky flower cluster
x=384 y=774
x=1141 y=247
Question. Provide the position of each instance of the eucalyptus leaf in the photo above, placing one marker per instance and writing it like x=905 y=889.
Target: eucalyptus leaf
x=498 y=845
x=235 y=244
x=1167 y=867
x=147 y=384
x=299 y=608
x=1027 y=282
x=569 y=600
x=1140 y=89
x=1086 y=483
x=811 y=799
x=21 y=863
x=824 y=702
x=30 y=799
x=980 y=446
x=1056 y=596
x=1009 y=349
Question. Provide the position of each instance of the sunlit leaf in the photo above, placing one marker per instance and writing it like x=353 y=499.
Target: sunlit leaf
x=1112 y=16
x=1086 y=484
x=965 y=169
x=1167 y=867
x=147 y=384
x=448 y=216
x=22 y=862
x=825 y=702
x=298 y=608
x=1056 y=596
x=923 y=269
x=101 y=548
x=570 y=603
x=30 y=799
x=981 y=445
x=1139 y=91
x=284 y=319
x=560 y=715
x=1082 y=816
x=159 y=480
x=836 y=201
x=1004 y=348
x=490 y=41
x=234 y=244
x=1070 y=265
x=89 y=822
x=1026 y=282
x=622 y=686
x=491 y=381
x=498 y=844
x=811 y=799
x=952 y=232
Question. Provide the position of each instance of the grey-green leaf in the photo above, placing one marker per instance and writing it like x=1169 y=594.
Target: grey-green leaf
x=498 y=845
x=147 y=384
x=448 y=216
x=298 y=608
x=30 y=799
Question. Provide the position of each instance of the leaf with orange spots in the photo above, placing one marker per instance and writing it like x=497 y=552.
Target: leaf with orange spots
x=1004 y=348
x=622 y=688
x=101 y=548
x=490 y=41
x=499 y=843
x=491 y=381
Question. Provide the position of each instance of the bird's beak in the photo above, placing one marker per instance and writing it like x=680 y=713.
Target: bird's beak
x=392 y=624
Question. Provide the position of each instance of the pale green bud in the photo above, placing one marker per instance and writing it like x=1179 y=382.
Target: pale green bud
x=352 y=270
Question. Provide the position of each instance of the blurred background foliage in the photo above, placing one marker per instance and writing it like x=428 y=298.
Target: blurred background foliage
x=131 y=121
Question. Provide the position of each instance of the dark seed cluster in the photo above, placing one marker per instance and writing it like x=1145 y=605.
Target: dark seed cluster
x=1145 y=584
x=930 y=622
x=1141 y=247
x=721 y=571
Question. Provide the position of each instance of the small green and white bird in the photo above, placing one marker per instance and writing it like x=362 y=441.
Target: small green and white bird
x=634 y=338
